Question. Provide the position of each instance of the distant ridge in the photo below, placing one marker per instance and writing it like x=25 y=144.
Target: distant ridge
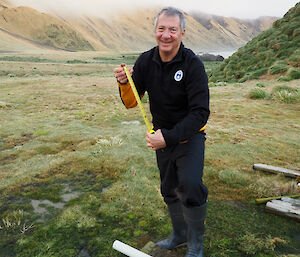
x=130 y=31
x=41 y=29
x=274 y=52
x=32 y=42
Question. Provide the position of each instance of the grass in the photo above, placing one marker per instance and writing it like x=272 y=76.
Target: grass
x=273 y=53
x=286 y=94
x=69 y=146
x=257 y=93
x=24 y=59
x=67 y=64
x=280 y=93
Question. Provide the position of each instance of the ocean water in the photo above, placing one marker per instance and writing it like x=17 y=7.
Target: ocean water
x=225 y=54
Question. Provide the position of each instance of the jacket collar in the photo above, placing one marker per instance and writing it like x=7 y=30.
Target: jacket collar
x=178 y=57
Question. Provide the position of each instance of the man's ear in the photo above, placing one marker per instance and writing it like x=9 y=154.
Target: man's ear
x=183 y=33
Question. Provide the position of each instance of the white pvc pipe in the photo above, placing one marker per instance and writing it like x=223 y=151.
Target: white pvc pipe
x=128 y=250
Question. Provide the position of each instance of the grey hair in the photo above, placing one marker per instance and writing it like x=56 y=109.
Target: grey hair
x=171 y=11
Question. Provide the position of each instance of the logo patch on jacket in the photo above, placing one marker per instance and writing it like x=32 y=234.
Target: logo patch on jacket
x=178 y=75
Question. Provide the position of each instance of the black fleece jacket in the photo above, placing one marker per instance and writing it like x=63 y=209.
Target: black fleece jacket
x=178 y=92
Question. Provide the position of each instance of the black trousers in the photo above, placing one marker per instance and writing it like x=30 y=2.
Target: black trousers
x=181 y=171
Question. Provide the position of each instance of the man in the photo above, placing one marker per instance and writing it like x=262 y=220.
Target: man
x=176 y=82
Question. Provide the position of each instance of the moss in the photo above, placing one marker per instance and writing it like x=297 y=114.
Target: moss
x=43 y=191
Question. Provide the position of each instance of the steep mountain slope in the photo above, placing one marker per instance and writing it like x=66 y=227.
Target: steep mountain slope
x=234 y=31
x=134 y=31
x=118 y=33
x=274 y=52
x=121 y=32
x=27 y=23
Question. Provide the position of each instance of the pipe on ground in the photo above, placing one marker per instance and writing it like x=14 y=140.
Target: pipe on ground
x=128 y=250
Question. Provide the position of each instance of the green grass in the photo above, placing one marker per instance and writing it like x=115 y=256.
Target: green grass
x=280 y=93
x=25 y=59
x=69 y=145
x=286 y=94
x=29 y=65
x=280 y=67
x=127 y=58
x=257 y=93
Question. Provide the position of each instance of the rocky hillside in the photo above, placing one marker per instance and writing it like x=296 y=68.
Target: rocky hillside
x=122 y=32
x=232 y=31
x=275 y=52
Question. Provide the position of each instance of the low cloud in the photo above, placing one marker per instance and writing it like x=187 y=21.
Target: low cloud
x=234 y=8
x=91 y=7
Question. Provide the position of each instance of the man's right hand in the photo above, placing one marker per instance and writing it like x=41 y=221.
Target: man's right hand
x=155 y=141
x=120 y=74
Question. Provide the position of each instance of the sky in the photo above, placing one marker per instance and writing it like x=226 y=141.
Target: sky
x=245 y=9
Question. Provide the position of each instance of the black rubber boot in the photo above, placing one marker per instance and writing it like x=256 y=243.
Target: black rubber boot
x=178 y=236
x=194 y=218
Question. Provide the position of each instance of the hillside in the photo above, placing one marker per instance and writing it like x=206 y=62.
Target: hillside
x=275 y=52
x=118 y=33
x=121 y=31
x=232 y=31
x=63 y=31
x=41 y=29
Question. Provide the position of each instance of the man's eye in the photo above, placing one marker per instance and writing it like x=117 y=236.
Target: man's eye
x=160 y=29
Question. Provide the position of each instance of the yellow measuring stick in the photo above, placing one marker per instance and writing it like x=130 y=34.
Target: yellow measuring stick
x=137 y=97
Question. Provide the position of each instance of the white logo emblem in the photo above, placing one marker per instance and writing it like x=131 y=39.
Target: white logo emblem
x=178 y=75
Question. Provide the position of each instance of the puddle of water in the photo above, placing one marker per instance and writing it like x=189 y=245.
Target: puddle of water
x=104 y=189
x=40 y=206
x=84 y=253
x=69 y=194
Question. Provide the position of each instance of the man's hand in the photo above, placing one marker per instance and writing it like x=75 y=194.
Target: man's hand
x=155 y=141
x=120 y=74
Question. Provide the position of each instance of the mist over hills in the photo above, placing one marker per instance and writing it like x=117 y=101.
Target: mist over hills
x=26 y=28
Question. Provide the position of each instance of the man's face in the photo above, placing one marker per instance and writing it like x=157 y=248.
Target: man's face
x=168 y=34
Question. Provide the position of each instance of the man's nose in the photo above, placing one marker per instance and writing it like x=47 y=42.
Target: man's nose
x=166 y=34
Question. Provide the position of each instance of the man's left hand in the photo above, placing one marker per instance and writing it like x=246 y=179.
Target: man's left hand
x=155 y=141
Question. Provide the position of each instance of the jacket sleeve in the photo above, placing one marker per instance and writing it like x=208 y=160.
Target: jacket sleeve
x=198 y=105
x=125 y=90
x=127 y=95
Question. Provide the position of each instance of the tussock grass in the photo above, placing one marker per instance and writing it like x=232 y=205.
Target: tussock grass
x=257 y=93
x=286 y=94
x=274 y=52
x=281 y=93
x=279 y=67
x=74 y=132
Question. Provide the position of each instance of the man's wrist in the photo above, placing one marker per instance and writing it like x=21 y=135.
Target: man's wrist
x=122 y=83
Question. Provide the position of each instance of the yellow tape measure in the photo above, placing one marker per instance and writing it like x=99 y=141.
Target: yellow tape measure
x=137 y=97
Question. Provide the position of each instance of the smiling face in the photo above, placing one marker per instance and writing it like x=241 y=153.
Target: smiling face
x=168 y=36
